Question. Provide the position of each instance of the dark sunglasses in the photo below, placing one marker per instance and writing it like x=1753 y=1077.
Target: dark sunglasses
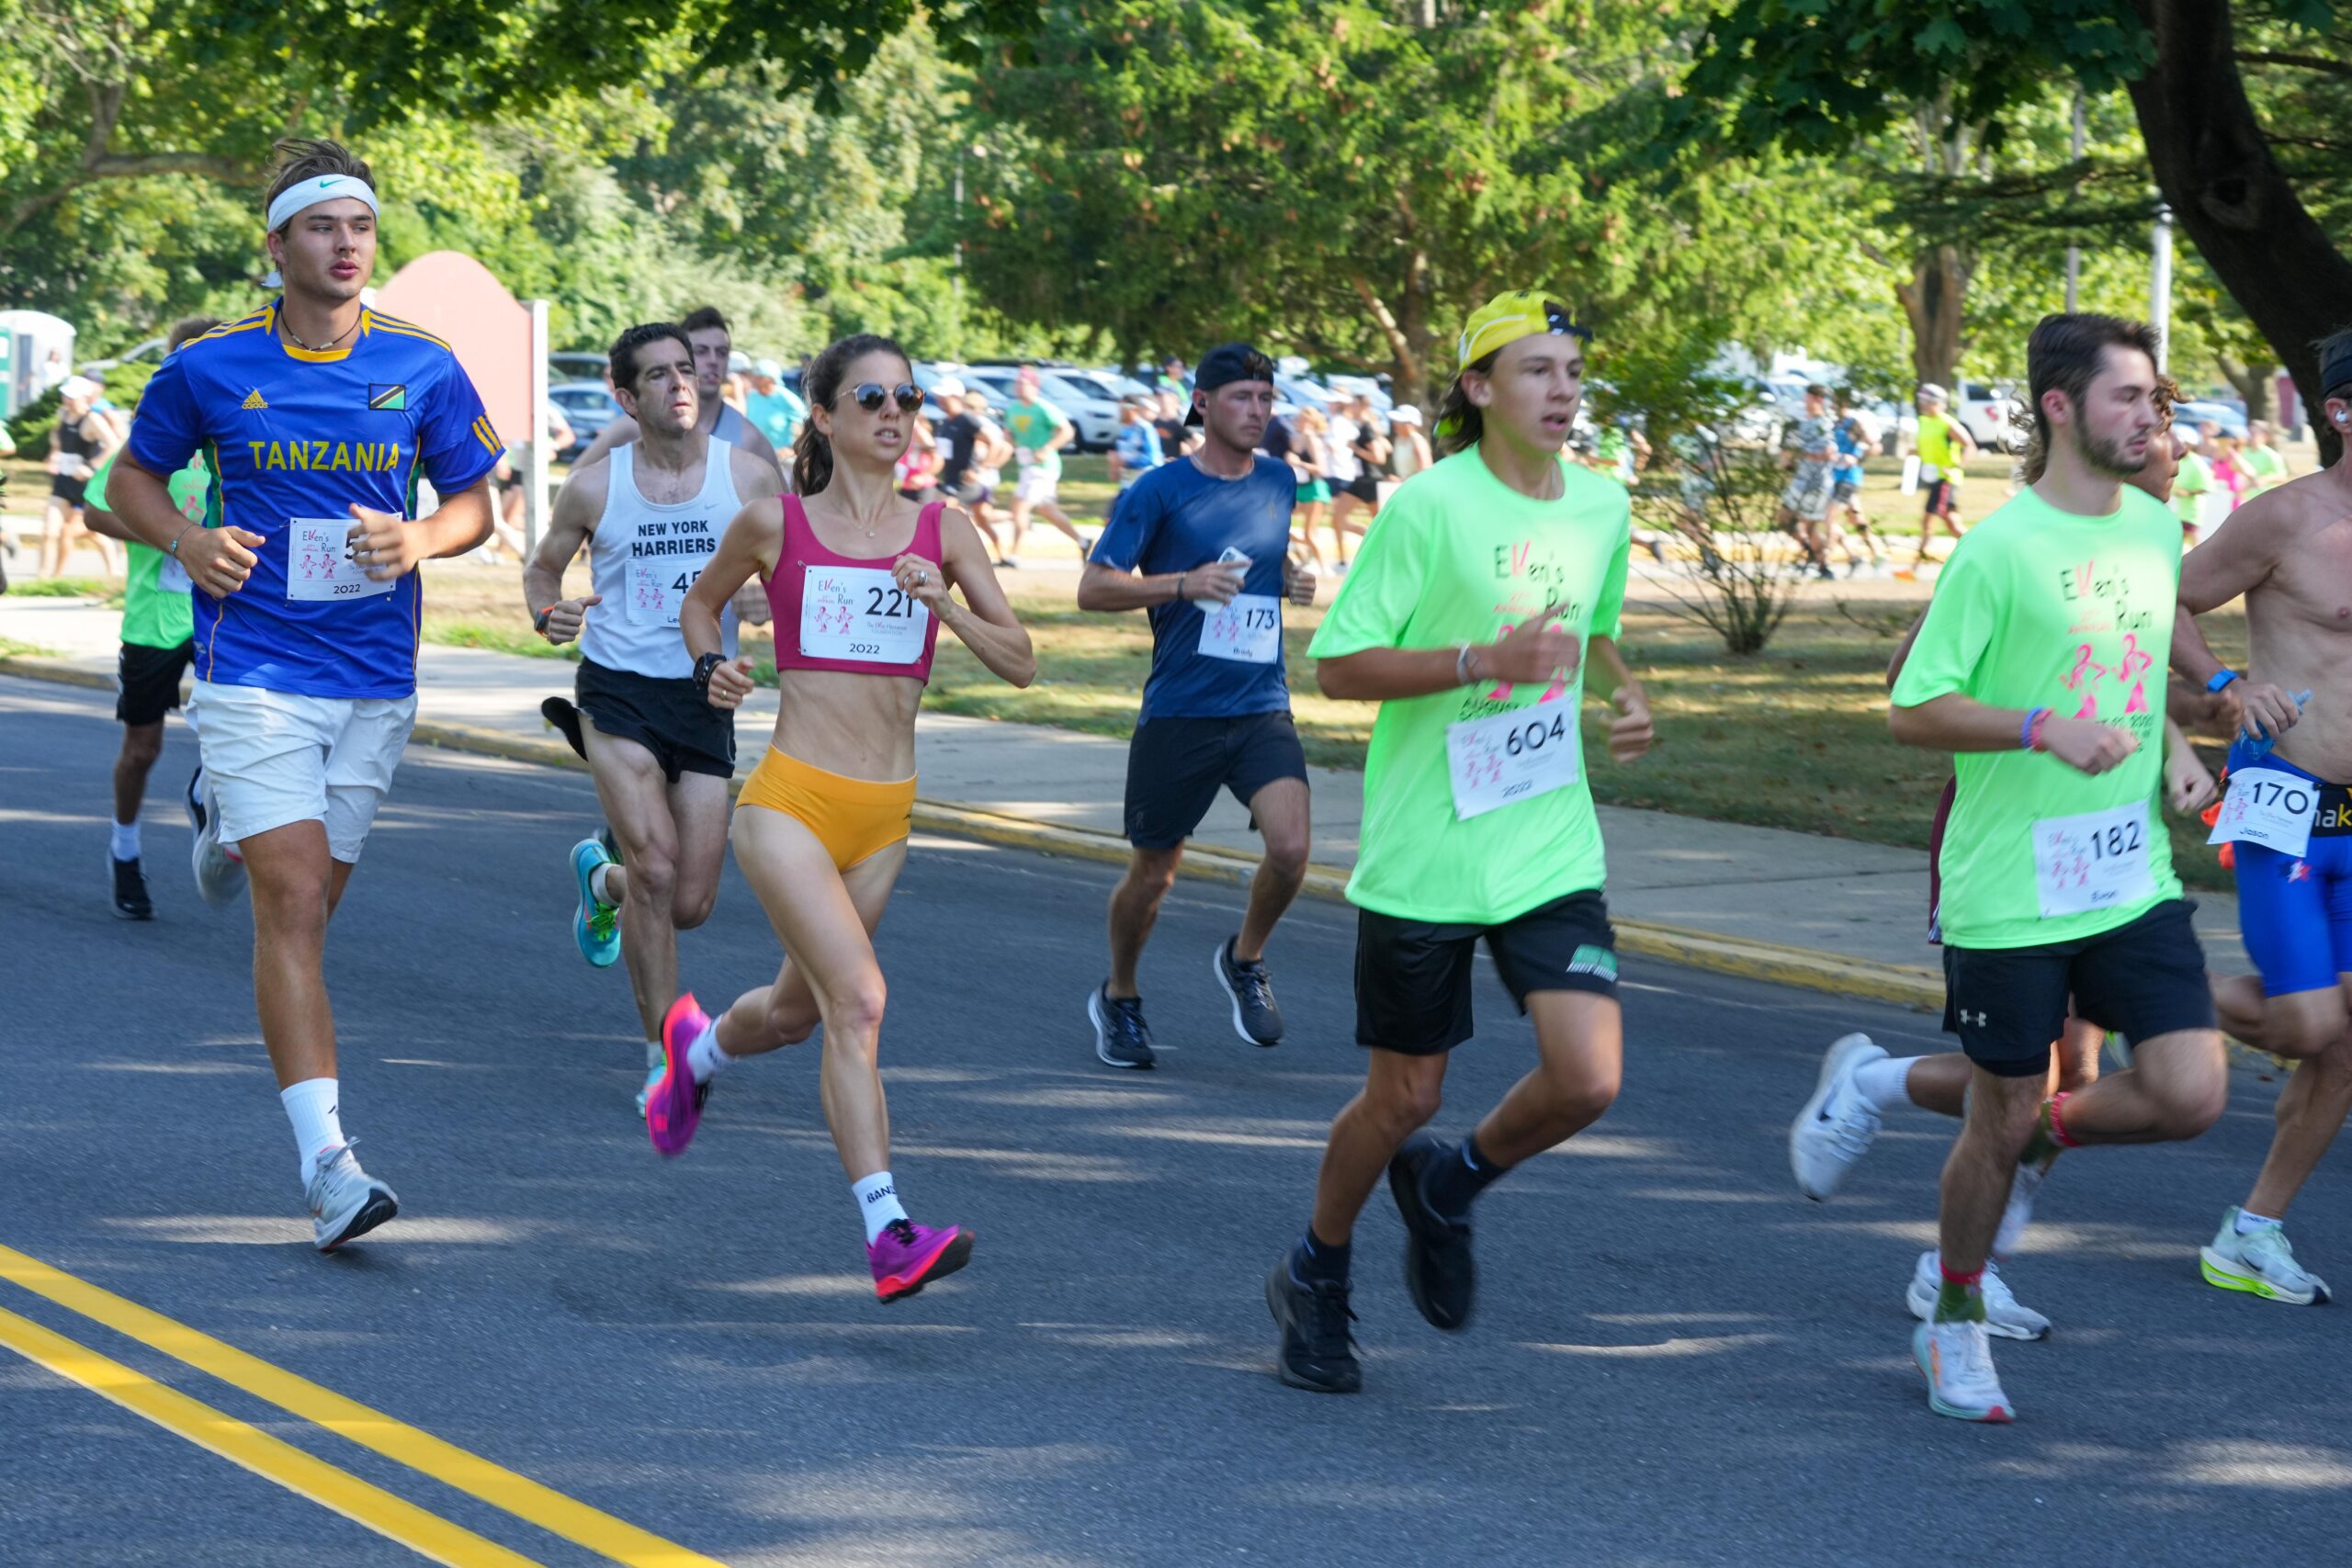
x=871 y=395
x=1555 y=320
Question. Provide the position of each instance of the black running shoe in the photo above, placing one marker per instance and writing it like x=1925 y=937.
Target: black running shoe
x=1255 y=1017
x=559 y=712
x=131 y=900
x=1439 y=1273
x=1316 y=1353
x=1120 y=1036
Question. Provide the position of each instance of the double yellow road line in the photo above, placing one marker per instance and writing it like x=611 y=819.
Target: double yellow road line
x=302 y=1473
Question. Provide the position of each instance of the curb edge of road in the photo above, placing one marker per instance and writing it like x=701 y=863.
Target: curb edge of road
x=1806 y=969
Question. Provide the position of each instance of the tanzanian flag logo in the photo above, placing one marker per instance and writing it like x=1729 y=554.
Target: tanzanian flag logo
x=391 y=398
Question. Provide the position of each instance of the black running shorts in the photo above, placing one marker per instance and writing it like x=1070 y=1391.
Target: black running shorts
x=148 y=681
x=1413 y=977
x=668 y=717
x=1175 y=766
x=2144 y=979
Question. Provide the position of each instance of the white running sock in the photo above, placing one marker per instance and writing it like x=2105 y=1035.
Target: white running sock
x=126 y=840
x=597 y=887
x=704 y=1057
x=1882 y=1082
x=2248 y=1221
x=877 y=1203
x=312 y=1105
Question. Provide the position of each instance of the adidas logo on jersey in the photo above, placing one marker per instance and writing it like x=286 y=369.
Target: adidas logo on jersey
x=254 y=400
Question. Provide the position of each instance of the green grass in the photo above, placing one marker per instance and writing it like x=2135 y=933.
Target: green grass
x=525 y=642
x=11 y=648
x=64 y=588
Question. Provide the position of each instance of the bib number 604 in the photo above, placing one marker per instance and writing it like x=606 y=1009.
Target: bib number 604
x=1535 y=736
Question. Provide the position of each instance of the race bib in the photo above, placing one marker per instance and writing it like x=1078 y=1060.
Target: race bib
x=2096 y=860
x=319 y=563
x=1506 y=758
x=171 y=577
x=860 y=613
x=2270 y=807
x=1247 y=628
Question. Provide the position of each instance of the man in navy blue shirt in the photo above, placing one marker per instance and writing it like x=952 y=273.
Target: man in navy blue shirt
x=1202 y=543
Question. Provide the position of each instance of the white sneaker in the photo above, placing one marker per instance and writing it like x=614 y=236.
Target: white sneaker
x=1836 y=1126
x=1957 y=1361
x=345 y=1202
x=2005 y=1315
x=2023 y=1188
x=220 y=870
x=2261 y=1263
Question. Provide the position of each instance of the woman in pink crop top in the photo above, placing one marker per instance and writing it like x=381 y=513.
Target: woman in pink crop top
x=861 y=580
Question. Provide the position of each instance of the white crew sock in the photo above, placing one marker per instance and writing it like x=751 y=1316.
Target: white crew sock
x=704 y=1057
x=597 y=886
x=126 y=840
x=1882 y=1082
x=877 y=1203
x=2249 y=1222
x=312 y=1105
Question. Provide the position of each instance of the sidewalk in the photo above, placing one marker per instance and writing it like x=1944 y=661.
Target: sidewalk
x=1828 y=913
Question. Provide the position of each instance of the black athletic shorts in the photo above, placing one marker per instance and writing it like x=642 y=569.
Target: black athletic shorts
x=1365 y=486
x=1413 y=977
x=2146 y=978
x=668 y=717
x=1941 y=499
x=71 y=491
x=148 y=681
x=1175 y=767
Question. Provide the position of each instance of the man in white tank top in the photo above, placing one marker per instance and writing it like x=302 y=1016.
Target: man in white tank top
x=651 y=513
x=708 y=335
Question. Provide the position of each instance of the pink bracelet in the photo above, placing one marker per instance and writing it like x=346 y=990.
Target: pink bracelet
x=2034 y=724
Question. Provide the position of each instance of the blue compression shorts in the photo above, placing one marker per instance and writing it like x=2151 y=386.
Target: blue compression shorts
x=2296 y=913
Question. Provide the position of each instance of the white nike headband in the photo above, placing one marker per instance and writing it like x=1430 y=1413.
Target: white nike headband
x=295 y=198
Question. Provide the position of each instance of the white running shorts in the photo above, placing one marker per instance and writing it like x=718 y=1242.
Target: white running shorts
x=275 y=758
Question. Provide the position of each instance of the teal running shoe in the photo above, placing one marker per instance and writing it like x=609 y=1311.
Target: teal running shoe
x=596 y=925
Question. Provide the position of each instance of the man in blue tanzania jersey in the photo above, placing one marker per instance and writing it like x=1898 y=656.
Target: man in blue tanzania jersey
x=318 y=416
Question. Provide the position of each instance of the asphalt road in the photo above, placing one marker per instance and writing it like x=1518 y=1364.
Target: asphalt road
x=1677 y=1359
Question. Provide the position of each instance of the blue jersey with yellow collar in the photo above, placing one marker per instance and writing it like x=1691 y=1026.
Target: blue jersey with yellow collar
x=296 y=438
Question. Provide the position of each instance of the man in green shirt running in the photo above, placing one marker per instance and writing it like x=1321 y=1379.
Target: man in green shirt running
x=1942 y=444
x=1467 y=617
x=2263 y=458
x=158 y=641
x=2041 y=666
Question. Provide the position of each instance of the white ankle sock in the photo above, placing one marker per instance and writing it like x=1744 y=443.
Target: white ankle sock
x=312 y=1105
x=2249 y=1222
x=704 y=1057
x=1882 y=1082
x=877 y=1203
x=126 y=840
x=597 y=886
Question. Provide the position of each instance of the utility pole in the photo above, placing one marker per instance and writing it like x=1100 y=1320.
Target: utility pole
x=2075 y=253
x=2160 y=286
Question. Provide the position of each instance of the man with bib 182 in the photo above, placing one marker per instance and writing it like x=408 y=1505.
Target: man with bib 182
x=2040 y=666
x=650 y=511
x=1491 y=580
x=321 y=416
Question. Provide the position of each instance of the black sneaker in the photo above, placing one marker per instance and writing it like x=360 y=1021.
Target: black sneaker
x=1255 y=1017
x=1120 y=1036
x=1318 y=1353
x=130 y=901
x=1439 y=1273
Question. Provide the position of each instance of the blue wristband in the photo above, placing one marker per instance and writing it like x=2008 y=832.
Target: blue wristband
x=2220 y=679
x=2025 y=730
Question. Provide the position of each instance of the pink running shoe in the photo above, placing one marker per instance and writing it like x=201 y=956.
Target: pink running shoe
x=673 y=1102
x=907 y=1256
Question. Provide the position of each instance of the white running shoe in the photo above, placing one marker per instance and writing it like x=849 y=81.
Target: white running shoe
x=1957 y=1361
x=2261 y=1263
x=220 y=870
x=1836 y=1126
x=2023 y=1188
x=2005 y=1315
x=345 y=1202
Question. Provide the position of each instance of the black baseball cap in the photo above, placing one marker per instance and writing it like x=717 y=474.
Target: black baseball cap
x=1228 y=362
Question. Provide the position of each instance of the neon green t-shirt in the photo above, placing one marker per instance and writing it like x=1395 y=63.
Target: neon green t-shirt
x=2043 y=608
x=2266 y=465
x=1936 y=445
x=1460 y=557
x=155 y=609
x=2189 y=487
x=1031 y=426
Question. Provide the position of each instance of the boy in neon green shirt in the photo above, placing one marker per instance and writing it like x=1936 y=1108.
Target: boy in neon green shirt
x=1942 y=445
x=1468 y=617
x=2041 y=666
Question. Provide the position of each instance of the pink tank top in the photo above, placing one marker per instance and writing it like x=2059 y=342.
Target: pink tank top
x=838 y=612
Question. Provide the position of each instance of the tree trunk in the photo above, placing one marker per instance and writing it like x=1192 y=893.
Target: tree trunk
x=1932 y=301
x=2225 y=189
x=2254 y=386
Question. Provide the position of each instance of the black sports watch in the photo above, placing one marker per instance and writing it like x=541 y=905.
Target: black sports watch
x=539 y=621
x=703 y=667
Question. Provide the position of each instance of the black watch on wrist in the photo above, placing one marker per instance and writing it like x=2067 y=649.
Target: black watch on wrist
x=539 y=621
x=703 y=667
